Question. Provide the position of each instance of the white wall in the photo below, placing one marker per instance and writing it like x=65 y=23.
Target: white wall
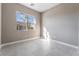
x=61 y=23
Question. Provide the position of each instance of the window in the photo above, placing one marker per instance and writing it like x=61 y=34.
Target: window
x=25 y=22
x=31 y=22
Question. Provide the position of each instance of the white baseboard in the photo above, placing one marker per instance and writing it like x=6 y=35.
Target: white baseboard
x=66 y=44
x=19 y=41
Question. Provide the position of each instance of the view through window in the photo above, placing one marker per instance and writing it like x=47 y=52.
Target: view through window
x=25 y=22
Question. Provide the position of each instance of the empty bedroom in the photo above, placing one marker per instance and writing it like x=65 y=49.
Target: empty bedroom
x=39 y=29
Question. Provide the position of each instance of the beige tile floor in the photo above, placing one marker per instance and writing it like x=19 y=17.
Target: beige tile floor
x=38 y=47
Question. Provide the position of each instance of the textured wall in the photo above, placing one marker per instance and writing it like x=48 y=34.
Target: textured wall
x=0 y=23
x=78 y=26
x=62 y=24
x=9 y=32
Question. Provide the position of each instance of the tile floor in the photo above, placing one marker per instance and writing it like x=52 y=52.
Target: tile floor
x=38 y=47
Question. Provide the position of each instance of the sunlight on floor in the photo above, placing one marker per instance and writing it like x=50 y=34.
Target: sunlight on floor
x=46 y=40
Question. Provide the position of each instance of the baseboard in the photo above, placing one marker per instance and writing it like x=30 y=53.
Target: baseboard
x=66 y=44
x=19 y=41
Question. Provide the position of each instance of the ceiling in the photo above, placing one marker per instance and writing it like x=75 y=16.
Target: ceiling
x=40 y=7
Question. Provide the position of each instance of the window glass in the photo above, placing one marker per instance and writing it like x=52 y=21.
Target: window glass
x=25 y=22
